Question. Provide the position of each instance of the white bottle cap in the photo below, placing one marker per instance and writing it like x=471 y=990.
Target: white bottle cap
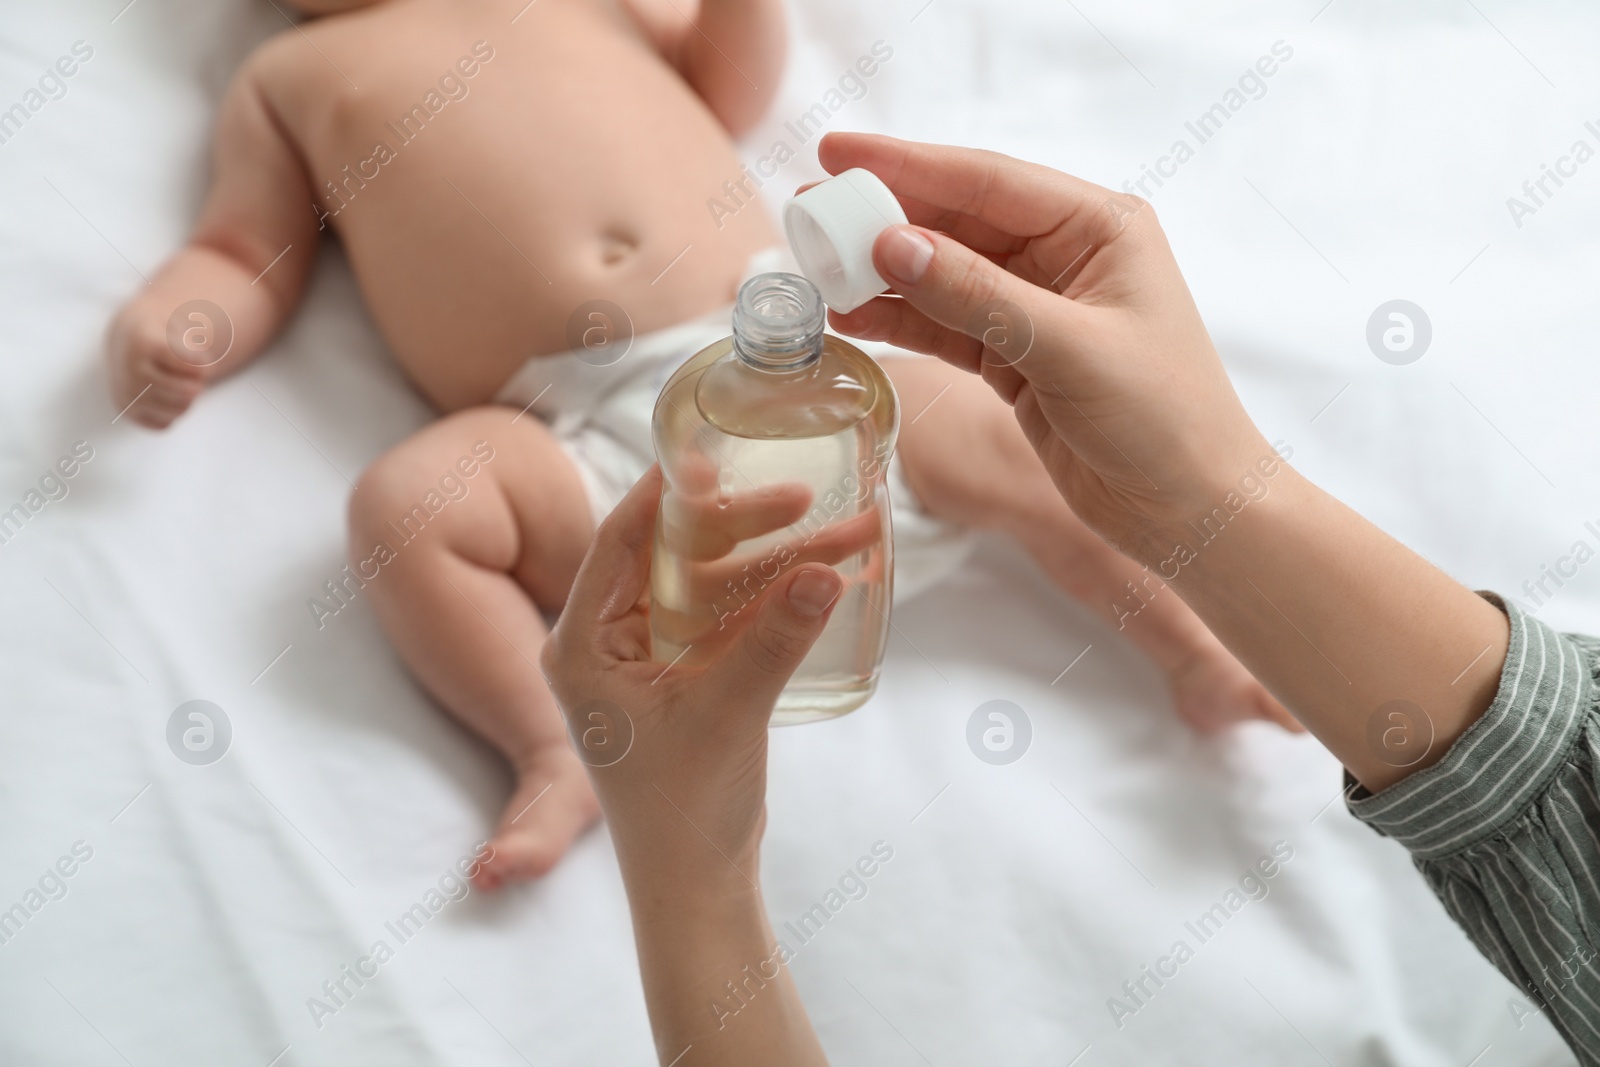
x=831 y=227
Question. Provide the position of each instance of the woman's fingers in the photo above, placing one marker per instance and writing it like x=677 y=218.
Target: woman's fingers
x=943 y=278
x=707 y=527
x=841 y=540
x=722 y=583
x=756 y=666
x=720 y=591
x=973 y=232
x=951 y=288
x=1007 y=194
x=893 y=320
x=616 y=571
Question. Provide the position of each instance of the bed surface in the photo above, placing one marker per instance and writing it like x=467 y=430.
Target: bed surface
x=216 y=899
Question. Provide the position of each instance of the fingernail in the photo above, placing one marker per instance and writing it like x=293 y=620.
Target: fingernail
x=812 y=591
x=906 y=254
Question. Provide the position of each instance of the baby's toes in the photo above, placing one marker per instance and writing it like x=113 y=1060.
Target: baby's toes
x=1213 y=690
x=1271 y=710
x=552 y=804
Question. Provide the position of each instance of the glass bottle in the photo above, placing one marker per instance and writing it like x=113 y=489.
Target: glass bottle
x=774 y=444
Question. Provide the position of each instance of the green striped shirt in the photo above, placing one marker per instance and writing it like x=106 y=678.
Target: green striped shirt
x=1506 y=827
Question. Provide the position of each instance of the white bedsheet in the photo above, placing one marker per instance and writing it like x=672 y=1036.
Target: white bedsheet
x=219 y=898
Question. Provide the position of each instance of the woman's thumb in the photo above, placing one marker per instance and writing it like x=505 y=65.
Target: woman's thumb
x=949 y=282
x=788 y=622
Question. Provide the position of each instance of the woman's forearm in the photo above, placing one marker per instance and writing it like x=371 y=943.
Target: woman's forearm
x=1380 y=654
x=715 y=978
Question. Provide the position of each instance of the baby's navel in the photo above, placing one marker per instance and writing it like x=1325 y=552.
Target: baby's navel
x=617 y=246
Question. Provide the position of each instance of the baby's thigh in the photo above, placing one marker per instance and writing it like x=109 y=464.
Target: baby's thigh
x=484 y=485
x=964 y=455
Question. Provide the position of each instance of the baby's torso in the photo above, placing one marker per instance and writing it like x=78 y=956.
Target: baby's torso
x=488 y=177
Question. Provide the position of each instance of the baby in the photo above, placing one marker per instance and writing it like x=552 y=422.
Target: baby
x=507 y=178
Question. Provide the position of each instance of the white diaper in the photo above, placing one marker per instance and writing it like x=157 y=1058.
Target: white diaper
x=601 y=416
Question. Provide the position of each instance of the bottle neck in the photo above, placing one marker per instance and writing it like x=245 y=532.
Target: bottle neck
x=777 y=323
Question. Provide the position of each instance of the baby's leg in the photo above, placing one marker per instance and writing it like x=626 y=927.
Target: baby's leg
x=461 y=603
x=968 y=462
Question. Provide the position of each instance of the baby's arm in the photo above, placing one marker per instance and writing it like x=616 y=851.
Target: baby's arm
x=249 y=256
x=731 y=52
x=329 y=7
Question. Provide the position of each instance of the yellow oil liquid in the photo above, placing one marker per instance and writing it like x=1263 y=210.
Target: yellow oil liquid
x=765 y=470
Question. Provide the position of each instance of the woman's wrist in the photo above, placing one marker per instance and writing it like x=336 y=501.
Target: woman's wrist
x=1205 y=503
x=689 y=888
x=716 y=977
x=662 y=849
x=1380 y=654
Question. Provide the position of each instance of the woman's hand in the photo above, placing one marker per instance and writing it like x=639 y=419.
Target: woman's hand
x=678 y=756
x=705 y=527
x=1067 y=299
x=1092 y=333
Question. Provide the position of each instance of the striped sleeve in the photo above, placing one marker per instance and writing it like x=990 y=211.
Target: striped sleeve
x=1506 y=827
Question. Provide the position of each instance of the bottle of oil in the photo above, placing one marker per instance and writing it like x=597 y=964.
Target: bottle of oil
x=775 y=446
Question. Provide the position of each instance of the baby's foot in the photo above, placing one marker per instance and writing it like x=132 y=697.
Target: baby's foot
x=1211 y=690
x=551 y=805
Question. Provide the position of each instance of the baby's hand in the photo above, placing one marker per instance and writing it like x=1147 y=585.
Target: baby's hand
x=159 y=363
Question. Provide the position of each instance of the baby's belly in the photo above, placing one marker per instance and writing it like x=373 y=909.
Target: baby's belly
x=488 y=228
